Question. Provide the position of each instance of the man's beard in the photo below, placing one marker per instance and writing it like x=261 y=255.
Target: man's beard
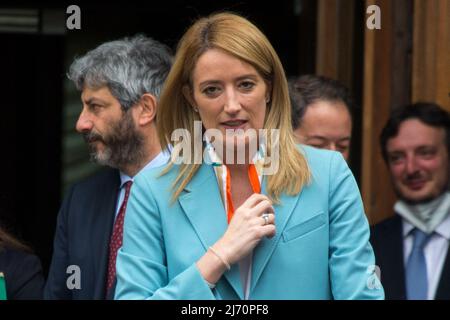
x=424 y=200
x=123 y=145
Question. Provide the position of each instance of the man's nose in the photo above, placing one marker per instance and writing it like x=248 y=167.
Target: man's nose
x=84 y=122
x=411 y=165
x=332 y=146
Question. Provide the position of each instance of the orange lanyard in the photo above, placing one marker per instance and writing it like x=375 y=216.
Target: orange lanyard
x=255 y=175
x=254 y=182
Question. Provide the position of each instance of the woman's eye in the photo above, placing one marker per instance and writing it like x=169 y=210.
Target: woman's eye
x=247 y=85
x=211 y=90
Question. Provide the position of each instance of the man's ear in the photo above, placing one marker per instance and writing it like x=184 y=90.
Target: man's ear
x=147 y=112
x=187 y=93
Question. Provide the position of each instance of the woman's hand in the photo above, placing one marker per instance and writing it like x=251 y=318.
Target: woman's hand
x=247 y=228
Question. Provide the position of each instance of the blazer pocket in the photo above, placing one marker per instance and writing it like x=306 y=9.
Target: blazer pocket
x=304 y=227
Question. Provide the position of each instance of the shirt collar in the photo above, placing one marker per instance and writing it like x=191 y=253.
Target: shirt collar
x=443 y=229
x=407 y=228
x=161 y=159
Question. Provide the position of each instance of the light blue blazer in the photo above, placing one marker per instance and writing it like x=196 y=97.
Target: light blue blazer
x=321 y=249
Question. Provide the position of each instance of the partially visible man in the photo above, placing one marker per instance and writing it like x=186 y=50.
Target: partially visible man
x=411 y=248
x=120 y=82
x=321 y=114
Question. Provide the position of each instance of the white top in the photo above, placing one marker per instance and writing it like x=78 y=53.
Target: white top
x=435 y=252
x=245 y=268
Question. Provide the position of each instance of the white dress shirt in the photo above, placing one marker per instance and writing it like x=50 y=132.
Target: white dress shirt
x=161 y=159
x=435 y=252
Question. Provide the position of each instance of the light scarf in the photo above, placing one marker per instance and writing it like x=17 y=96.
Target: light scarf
x=425 y=216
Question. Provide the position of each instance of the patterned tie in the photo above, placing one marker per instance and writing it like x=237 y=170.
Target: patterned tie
x=117 y=236
x=416 y=268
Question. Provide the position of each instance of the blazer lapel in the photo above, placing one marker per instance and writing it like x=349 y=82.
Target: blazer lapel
x=265 y=248
x=103 y=223
x=391 y=260
x=202 y=205
x=443 y=290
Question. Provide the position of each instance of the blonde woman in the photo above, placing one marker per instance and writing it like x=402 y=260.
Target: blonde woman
x=220 y=228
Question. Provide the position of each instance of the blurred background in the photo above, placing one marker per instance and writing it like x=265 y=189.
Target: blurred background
x=405 y=61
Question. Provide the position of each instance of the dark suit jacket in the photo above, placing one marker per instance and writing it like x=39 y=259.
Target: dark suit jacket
x=387 y=241
x=83 y=231
x=23 y=274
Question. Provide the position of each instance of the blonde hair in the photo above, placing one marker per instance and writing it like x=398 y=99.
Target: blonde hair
x=238 y=37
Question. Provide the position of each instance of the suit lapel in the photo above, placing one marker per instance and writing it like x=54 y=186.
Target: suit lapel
x=443 y=290
x=207 y=215
x=104 y=214
x=392 y=264
x=265 y=248
x=393 y=268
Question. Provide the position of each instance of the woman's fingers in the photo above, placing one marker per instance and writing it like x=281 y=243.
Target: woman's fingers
x=269 y=230
x=252 y=221
x=268 y=218
x=253 y=200
x=264 y=206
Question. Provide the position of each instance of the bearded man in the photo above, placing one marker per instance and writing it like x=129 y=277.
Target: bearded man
x=120 y=82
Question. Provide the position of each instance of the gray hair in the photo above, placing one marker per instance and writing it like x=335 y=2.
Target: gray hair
x=129 y=67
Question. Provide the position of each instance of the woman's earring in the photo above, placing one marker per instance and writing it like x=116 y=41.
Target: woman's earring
x=267 y=99
x=195 y=109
